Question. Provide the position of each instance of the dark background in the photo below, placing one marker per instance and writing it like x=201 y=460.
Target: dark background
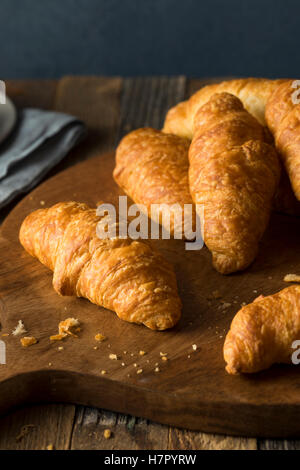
x=51 y=38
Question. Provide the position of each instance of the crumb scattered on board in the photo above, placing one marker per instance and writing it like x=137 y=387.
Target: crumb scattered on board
x=19 y=329
x=67 y=327
x=113 y=357
x=27 y=341
x=100 y=337
x=292 y=278
x=50 y=447
x=107 y=433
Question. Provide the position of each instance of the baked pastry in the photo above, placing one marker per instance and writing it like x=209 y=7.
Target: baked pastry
x=123 y=275
x=262 y=333
x=152 y=168
x=253 y=92
x=233 y=174
x=283 y=119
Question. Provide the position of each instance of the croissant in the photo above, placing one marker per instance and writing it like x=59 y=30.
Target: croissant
x=283 y=119
x=123 y=275
x=152 y=168
x=234 y=174
x=262 y=333
x=253 y=92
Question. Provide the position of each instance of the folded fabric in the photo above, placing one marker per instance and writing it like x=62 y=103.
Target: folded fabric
x=40 y=140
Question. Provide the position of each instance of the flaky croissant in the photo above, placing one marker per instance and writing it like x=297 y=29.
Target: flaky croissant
x=123 y=275
x=152 y=168
x=253 y=92
x=233 y=174
x=283 y=119
x=262 y=333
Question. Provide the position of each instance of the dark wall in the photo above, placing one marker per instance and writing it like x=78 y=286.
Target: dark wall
x=50 y=38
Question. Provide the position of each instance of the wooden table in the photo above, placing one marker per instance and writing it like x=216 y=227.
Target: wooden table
x=110 y=107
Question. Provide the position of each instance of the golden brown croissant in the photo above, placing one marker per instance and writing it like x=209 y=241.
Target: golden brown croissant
x=123 y=275
x=152 y=168
x=253 y=92
x=233 y=174
x=283 y=118
x=262 y=333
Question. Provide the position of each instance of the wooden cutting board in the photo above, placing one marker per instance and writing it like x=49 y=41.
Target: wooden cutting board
x=192 y=389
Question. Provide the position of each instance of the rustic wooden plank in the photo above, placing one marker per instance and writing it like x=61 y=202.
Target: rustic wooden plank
x=36 y=427
x=194 y=84
x=96 y=101
x=181 y=439
x=32 y=93
x=278 y=444
x=146 y=100
x=128 y=433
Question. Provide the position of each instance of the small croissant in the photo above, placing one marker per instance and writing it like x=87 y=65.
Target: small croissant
x=262 y=333
x=233 y=175
x=152 y=168
x=124 y=275
x=283 y=119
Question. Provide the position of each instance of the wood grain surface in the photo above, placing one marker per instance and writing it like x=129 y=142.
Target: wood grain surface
x=124 y=101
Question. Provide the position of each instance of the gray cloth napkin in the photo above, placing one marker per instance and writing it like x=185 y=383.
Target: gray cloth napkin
x=39 y=141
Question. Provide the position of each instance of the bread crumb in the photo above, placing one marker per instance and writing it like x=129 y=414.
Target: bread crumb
x=100 y=337
x=107 y=433
x=42 y=203
x=5 y=334
x=125 y=352
x=156 y=369
x=189 y=356
x=50 y=447
x=57 y=337
x=292 y=278
x=164 y=358
x=194 y=346
x=19 y=329
x=65 y=327
x=113 y=357
x=103 y=372
x=95 y=347
x=163 y=354
x=28 y=341
x=134 y=365
x=226 y=305
x=60 y=348
x=142 y=353
x=50 y=364
x=123 y=364
x=139 y=371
